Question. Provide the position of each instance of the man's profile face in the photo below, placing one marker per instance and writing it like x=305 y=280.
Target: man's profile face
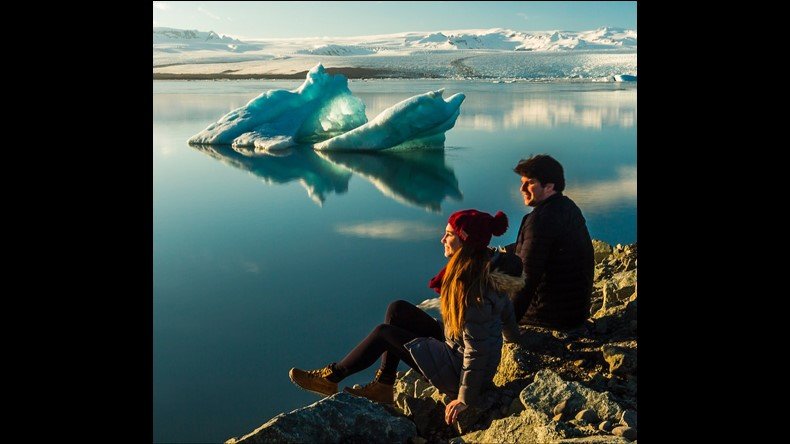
x=534 y=192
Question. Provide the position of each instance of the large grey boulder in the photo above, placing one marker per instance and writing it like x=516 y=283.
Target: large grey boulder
x=340 y=418
x=514 y=364
x=548 y=390
x=619 y=288
x=412 y=383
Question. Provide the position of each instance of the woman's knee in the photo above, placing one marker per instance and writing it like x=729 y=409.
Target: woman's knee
x=395 y=309
x=398 y=305
x=381 y=330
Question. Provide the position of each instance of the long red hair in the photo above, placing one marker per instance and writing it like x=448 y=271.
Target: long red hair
x=464 y=282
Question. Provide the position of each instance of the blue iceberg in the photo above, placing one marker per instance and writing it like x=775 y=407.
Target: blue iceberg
x=322 y=107
x=418 y=121
x=324 y=114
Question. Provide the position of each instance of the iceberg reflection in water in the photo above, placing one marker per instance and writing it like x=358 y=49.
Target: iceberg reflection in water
x=417 y=177
x=413 y=177
x=318 y=176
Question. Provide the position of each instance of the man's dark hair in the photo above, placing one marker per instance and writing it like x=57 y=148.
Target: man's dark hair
x=544 y=168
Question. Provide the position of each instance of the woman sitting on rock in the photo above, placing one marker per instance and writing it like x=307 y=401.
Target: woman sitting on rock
x=459 y=358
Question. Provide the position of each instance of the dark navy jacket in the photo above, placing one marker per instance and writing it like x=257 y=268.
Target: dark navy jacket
x=557 y=252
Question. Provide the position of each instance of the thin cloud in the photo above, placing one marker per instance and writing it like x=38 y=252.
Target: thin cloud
x=522 y=15
x=208 y=13
x=250 y=267
x=391 y=229
x=162 y=6
x=598 y=197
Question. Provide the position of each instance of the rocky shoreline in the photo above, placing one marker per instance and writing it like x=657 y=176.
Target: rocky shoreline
x=578 y=386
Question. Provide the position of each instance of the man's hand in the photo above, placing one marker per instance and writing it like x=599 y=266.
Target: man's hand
x=452 y=410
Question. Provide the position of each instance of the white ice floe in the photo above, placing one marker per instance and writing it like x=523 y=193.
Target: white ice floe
x=624 y=78
x=430 y=304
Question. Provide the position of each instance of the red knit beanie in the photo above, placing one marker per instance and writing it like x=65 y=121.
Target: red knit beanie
x=473 y=228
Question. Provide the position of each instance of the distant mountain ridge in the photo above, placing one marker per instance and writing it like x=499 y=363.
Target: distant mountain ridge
x=171 y=35
x=498 y=39
x=508 y=40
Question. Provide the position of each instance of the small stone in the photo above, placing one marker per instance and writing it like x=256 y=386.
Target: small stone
x=605 y=426
x=578 y=362
x=625 y=432
x=628 y=418
x=587 y=415
x=560 y=408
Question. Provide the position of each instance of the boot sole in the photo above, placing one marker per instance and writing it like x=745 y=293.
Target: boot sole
x=365 y=397
x=323 y=395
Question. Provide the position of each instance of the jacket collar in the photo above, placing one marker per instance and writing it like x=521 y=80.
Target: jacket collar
x=553 y=197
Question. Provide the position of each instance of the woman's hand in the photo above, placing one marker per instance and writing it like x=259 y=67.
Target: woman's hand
x=453 y=409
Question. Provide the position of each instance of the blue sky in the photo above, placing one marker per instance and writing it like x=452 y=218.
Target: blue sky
x=337 y=19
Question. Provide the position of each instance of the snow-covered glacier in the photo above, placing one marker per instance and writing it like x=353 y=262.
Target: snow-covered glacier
x=322 y=107
x=324 y=114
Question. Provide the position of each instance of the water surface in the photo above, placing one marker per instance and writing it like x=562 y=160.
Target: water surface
x=262 y=264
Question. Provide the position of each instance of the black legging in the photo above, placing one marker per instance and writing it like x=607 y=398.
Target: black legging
x=402 y=323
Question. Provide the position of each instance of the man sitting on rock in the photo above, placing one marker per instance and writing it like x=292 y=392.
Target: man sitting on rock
x=555 y=247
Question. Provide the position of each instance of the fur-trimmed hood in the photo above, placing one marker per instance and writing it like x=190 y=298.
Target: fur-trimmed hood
x=507 y=275
x=506 y=283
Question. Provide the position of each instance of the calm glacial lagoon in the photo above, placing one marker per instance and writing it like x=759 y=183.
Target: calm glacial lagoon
x=263 y=264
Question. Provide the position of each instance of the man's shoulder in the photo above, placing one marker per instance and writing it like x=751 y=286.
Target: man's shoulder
x=556 y=212
x=561 y=203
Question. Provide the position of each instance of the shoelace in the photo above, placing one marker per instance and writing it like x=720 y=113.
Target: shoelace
x=320 y=373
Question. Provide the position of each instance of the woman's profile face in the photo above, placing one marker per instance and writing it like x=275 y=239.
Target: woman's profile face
x=450 y=241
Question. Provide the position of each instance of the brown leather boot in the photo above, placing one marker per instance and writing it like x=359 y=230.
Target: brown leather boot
x=314 y=380
x=375 y=391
